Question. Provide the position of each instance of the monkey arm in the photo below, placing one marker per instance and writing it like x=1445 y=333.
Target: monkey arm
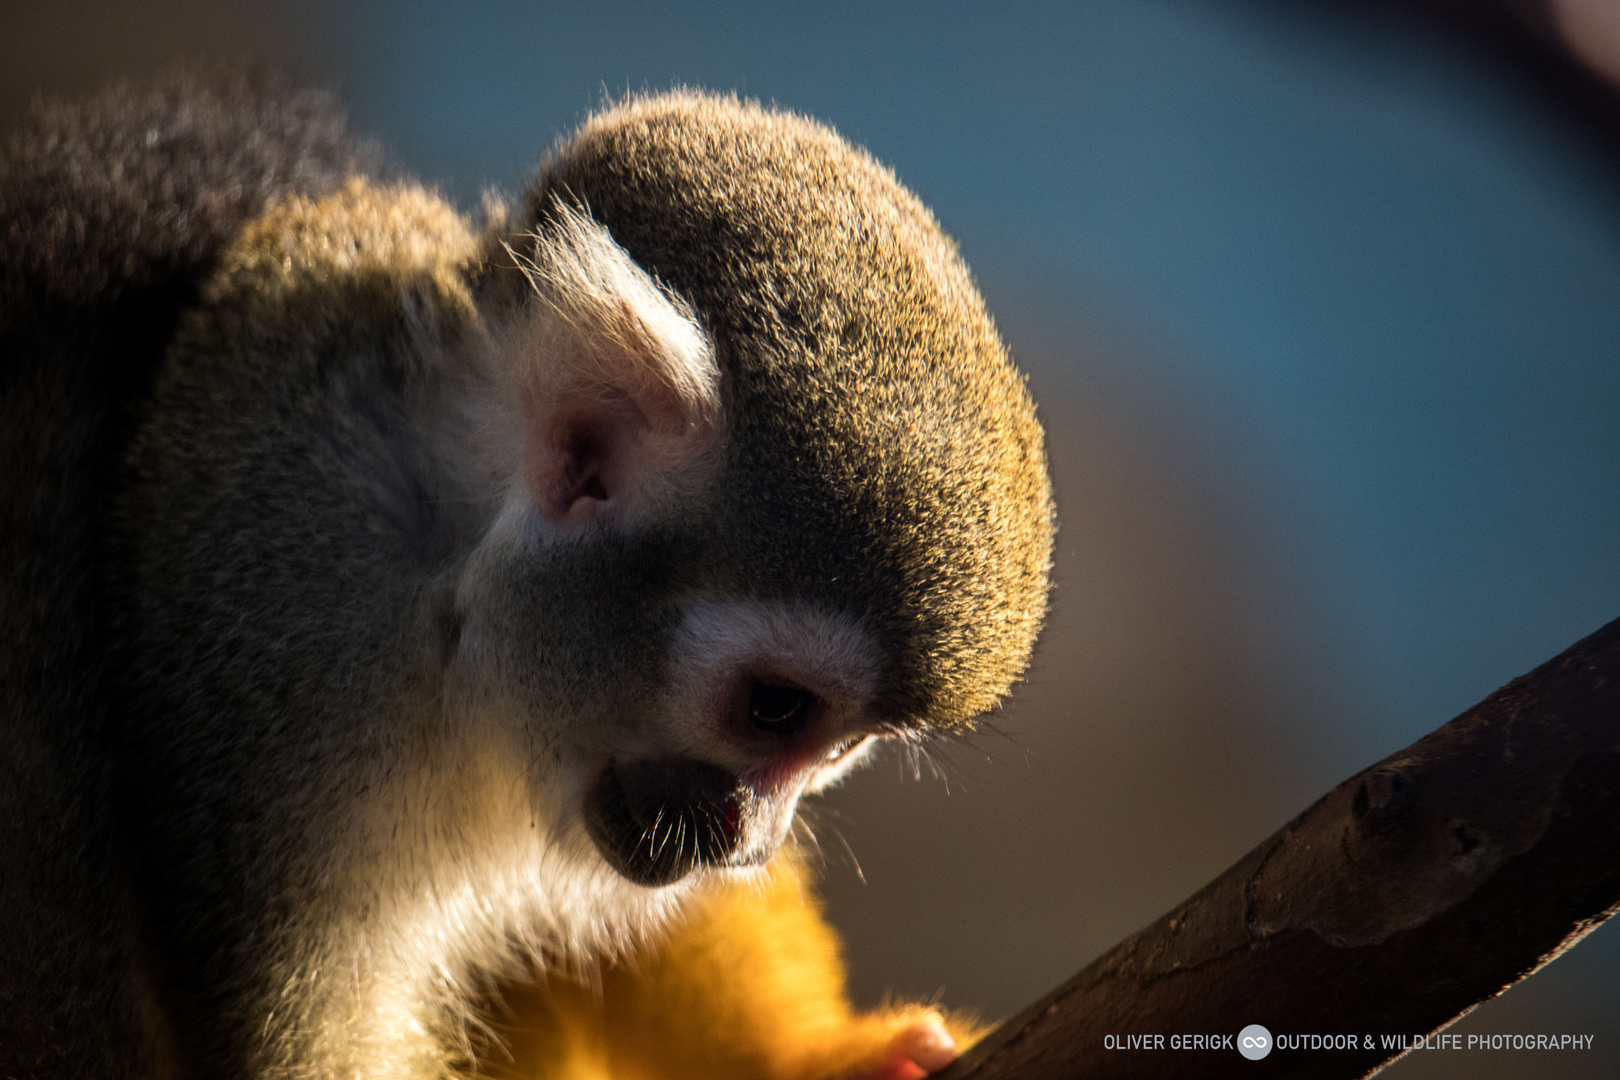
x=749 y=984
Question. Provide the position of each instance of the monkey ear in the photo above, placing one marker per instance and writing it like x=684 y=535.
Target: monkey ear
x=618 y=382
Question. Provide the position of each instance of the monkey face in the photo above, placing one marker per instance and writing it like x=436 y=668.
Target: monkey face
x=767 y=702
x=678 y=731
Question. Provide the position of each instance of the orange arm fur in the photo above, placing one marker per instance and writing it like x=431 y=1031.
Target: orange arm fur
x=749 y=986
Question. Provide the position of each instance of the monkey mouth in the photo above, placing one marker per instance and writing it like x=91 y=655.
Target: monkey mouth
x=843 y=749
x=657 y=821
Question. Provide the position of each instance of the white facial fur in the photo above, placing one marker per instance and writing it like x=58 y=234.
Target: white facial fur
x=722 y=645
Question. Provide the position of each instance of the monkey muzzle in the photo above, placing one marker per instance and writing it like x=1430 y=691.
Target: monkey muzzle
x=657 y=821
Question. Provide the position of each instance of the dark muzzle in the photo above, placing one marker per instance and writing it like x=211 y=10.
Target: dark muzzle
x=657 y=821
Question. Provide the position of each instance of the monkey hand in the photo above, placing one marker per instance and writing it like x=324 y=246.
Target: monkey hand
x=919 y=1044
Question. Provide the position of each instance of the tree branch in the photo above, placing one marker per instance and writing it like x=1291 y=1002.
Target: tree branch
x=1399 y=901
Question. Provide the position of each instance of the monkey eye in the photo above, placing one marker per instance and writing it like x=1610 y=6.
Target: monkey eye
x=778 y=709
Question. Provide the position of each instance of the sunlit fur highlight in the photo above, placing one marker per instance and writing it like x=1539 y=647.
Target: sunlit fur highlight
x=599 y=311
x=600 y=338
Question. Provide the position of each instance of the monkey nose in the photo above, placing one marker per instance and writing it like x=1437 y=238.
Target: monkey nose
x=657 y=821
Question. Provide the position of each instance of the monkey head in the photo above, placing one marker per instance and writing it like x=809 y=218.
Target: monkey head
x=777 y=490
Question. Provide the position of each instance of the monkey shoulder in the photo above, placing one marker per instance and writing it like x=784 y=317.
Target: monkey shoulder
x=314 y=398
x=315 y=259
x=356 y=273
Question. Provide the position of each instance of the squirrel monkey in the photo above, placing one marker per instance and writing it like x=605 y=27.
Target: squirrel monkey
x=418 y=637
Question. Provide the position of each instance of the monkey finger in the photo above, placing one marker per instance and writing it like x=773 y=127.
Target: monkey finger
x=915 y=1051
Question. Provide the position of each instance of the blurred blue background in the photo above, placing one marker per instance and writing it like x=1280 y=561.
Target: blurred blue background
x=1323 y=313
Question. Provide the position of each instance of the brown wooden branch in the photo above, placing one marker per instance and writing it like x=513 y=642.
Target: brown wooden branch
x=1400 y=900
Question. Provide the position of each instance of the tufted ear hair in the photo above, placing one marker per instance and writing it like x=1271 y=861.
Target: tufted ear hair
x=618 y=382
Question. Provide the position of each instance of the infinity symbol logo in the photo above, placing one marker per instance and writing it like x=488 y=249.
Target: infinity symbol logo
x=1254 y=1042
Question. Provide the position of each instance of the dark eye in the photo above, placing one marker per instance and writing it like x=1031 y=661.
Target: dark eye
x=778 y=709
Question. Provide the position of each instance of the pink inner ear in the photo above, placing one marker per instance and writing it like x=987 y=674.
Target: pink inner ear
x=584 y=452
x=583 y=461
x=592 y=449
